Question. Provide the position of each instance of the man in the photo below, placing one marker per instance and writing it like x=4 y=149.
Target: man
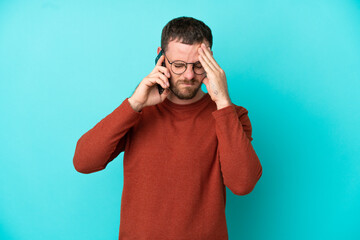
x=181 y=147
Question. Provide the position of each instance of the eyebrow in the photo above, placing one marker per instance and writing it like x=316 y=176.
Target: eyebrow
x=186 y=62
x=181 y=60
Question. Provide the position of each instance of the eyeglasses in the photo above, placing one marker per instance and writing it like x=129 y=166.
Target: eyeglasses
x=179 y=67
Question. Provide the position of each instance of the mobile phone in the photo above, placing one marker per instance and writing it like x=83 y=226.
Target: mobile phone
x=161 y=90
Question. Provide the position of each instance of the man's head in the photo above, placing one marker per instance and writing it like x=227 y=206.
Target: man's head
x=180 y=40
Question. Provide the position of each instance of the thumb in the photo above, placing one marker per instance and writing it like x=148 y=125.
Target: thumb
x=164 y=94
x=206 y=82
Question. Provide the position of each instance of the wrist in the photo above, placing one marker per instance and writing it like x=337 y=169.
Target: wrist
x=223 y=104
x=135 y=105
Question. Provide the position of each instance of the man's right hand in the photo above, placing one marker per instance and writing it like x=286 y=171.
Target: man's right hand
x=146 y=93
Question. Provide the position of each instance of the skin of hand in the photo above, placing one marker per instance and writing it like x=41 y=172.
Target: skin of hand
x=215 y=80
x=146 y=93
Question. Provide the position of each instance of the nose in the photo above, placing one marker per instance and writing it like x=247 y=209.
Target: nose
x=189 y=73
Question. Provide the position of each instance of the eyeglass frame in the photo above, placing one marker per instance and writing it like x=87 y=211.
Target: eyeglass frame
x=185 y=66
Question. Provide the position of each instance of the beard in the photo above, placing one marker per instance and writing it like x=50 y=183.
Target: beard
x=185 y=92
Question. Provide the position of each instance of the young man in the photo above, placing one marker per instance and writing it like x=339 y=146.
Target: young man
x=181 y=147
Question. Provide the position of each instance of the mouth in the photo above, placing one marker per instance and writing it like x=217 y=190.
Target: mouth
x=187 y=84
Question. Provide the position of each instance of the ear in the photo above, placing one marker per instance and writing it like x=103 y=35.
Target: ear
x=158 y=50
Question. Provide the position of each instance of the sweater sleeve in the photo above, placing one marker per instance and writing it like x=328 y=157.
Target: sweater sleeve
x=106 y=140
x=240 y=166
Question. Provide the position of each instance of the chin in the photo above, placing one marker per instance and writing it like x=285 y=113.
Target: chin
x=186 y=93
x=185 y=97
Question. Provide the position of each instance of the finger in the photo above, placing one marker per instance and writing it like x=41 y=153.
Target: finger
x=153 y=80
x=162 y=77
x=160 y=61
x=206 y=59
x=165 y=94
x=209 y=55
x=207 y=84
x=161 y=82
x=206 y=66
x=158 y=64
x=164 y=70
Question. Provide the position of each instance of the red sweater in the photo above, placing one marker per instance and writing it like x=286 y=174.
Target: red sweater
x=177 y=161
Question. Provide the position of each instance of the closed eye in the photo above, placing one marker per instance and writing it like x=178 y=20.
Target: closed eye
x=179 y=65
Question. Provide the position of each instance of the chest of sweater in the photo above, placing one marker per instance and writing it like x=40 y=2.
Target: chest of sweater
x=172 y=144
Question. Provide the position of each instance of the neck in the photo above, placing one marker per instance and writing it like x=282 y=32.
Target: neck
x=177 y=100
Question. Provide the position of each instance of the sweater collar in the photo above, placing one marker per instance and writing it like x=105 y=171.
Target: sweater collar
x=190 y=106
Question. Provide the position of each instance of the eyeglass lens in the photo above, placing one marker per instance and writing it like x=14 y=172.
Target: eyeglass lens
x=179 y=67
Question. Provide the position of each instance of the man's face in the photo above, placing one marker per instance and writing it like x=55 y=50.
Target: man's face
x=186 y=85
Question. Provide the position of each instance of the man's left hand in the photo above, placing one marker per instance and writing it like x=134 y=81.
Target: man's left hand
x=215 y=79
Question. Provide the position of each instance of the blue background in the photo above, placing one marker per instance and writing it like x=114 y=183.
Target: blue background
x=295 y=65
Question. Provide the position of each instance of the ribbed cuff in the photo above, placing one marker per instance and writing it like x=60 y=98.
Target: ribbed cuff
x=224 y=111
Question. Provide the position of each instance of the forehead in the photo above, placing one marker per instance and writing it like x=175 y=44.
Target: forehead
x=185 y=52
